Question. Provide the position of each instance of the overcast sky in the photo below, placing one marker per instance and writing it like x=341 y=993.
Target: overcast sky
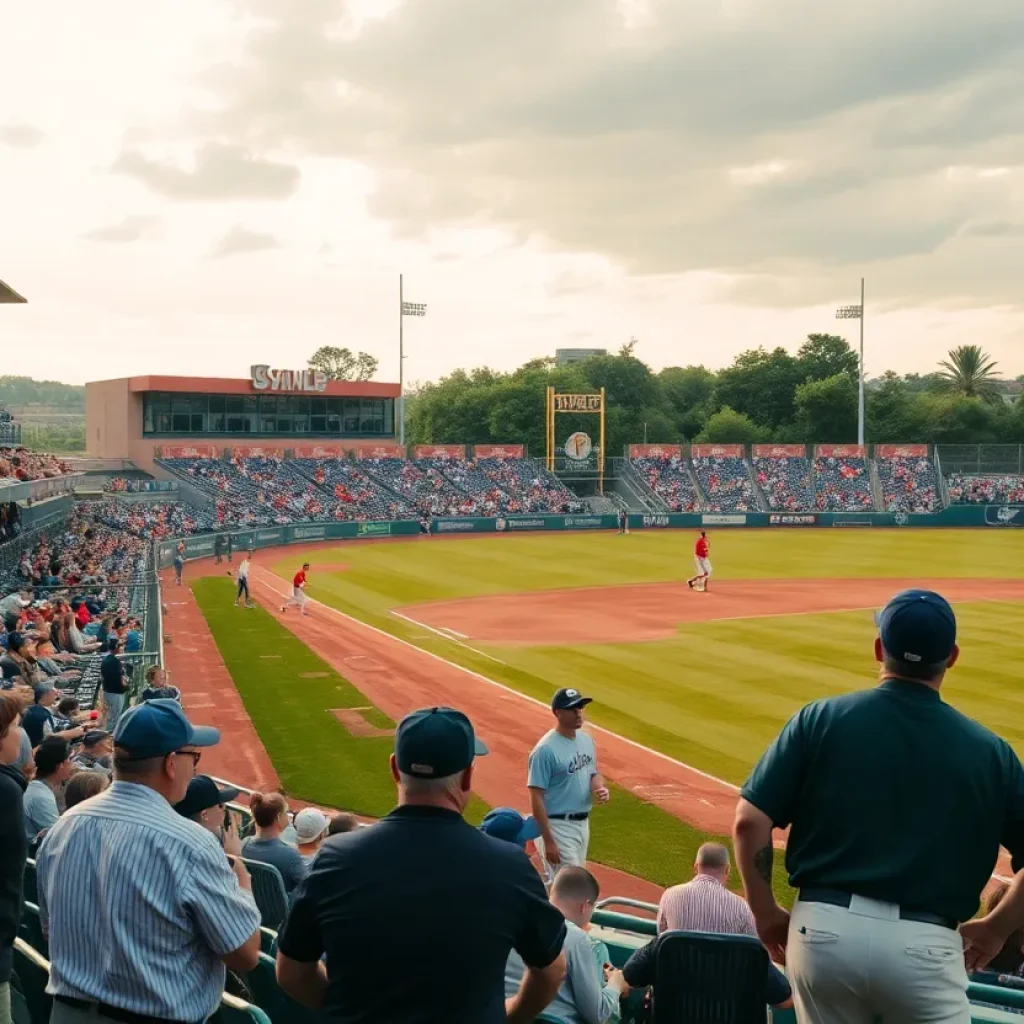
x=191 y=186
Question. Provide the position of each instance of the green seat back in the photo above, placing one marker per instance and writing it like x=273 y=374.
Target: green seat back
x=31 y=974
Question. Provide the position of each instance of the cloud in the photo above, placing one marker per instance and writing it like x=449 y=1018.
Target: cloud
x=19 y=135
x=240 y=239
x=130 y=229
x=766 y=139
x=219 y=171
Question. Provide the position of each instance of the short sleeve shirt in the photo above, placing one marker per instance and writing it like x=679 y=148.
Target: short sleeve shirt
x=112 y=675
x=299 y=579
x=894 y=795
x=280 y=855
x=472 y=898
x=563 y=767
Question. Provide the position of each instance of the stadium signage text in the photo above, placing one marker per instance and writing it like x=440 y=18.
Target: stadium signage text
x=455 y=525
x=790 y=519
x=713 y=519
x=578 y=403
x=583 y=522
x=266 y=379
x=309 y=532
x=373 y=529
x=656 y=521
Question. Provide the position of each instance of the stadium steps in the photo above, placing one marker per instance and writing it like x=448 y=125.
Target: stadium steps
x=702 y=498
x=762 y=501
x=625 y=477
x=877 y=494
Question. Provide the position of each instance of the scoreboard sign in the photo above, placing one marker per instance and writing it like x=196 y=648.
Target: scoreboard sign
x=265 y=379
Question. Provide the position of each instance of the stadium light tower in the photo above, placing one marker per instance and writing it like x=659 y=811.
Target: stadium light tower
x=404 y=309
x=857 y=313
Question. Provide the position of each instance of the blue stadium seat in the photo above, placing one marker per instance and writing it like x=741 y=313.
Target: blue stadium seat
x=710 y=979
x=269 y=892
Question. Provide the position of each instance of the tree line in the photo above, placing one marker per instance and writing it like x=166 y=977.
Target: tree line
x=763 y=396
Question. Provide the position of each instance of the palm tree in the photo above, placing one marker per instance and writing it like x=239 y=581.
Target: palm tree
x=969 y=372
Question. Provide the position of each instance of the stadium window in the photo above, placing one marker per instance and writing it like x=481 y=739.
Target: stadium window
x=318 y=415
x=268 y=414
x=335 y=409
x=235 y=422
x=300 y=415
x=199 y=405
x=285 y=414
x=366 y=416
x=250 y=416
x=389 y=416
x=216 y=423
x=351 y=416
x=378 y=415
x=148 y=417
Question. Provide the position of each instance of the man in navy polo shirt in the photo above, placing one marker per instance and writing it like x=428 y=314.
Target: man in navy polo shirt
x=897 y=806
x=417 y=914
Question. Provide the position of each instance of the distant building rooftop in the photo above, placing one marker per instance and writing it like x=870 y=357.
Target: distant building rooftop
x=576 y=355
x=8 y=294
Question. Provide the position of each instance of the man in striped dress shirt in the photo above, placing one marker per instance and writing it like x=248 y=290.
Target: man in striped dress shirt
x=704 y=904
x=142 y=907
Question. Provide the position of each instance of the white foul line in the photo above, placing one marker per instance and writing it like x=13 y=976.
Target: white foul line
x=445 y=634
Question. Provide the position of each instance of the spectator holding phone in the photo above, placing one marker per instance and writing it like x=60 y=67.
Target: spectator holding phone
x=205 y=803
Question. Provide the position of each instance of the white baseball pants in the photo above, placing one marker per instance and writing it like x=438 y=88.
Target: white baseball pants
x=573 y=838
x=852 y=966
x=703 y=566
x=298 y=599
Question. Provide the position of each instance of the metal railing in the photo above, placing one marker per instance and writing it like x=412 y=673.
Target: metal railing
x=982 y=459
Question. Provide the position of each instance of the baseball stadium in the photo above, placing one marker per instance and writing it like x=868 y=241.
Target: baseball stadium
x=304 y=598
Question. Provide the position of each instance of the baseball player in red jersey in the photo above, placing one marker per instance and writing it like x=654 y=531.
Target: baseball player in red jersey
x=701 y=550
x=298 y=597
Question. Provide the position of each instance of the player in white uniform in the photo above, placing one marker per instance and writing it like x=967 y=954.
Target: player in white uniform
x=563 y=783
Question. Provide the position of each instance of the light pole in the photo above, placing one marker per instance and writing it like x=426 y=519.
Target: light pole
x=857 y=313
x=404 y=309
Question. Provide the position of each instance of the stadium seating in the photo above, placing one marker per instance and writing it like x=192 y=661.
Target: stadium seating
x=427 y=490
x=985 y=490
x=842 y=484
x=489 y=498
x=909 y=484
x=785 y=482
x=529 y=485
x=725 y=483
x=153 y=520
x=355 y=495
x=669 y=478
x=18 y=465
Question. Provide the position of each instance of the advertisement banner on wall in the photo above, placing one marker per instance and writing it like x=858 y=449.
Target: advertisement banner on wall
x=584 y=522
x=840 y=451
x=439 y=451
x=266 y=537
x=309 y=532
x=723 y=519
x=779 y=451
x=498 y=451
x=380 y=451
x=256 y=452
x=524 y=523
x=373 y=530
x=901 y=451
x=318 y=451
x=655 y=521
x=1004 y=515
x=655 y=451
x=188 y=451
x=716 y=451
x=792 y=519
x=466 y=525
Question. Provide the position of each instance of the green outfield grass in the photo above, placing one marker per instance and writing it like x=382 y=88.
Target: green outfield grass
x=715 y=694
x=287 y=689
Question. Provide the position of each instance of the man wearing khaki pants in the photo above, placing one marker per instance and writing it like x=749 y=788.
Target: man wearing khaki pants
x=897 y=805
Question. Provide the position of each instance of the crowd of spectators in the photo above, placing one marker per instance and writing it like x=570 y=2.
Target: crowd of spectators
x=1005 y=489
x=530 y=487
x=19 y=465
x=785 y=482
x=726 y=483
x=669 y=477
x=356 y=495
x=427 y=490
x=154 y=520
x=909 y=483
x=842 y=484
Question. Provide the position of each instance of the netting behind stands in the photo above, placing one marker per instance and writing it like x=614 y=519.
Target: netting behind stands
x=981 y=459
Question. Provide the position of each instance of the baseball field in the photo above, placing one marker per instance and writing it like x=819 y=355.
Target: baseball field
x=688 y=687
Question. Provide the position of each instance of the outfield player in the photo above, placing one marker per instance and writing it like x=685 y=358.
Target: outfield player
x=623 y=521
x=701 y=551
x=563 y=783
x=298 y=597
x=243 y=580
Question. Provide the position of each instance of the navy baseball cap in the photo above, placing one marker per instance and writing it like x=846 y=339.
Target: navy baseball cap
x=568 y=699
x=917 y=626
x=435 y=742
x=156 y=728
x=508 y=824
x=94 y=736
x=202 y=794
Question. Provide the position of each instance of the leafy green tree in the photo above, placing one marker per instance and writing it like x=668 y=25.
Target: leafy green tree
x=761 y=385
x=894 y=414
x=970 y=373
x=342 y=363
x=826 y=410
x=824 y=355
x=689 y=393
x=730 y=427
x=954 y=419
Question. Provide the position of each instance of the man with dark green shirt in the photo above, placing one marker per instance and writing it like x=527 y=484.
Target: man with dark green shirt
x=897 y=805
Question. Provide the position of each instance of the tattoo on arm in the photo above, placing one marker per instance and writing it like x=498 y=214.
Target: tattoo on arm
x=763 y=860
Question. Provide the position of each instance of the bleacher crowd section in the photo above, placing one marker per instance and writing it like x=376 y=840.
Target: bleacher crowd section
x=985 y=490
x=19 y=465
